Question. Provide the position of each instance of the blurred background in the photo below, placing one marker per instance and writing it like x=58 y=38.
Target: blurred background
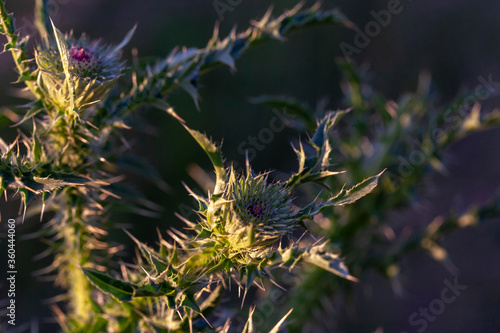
x=456 y=41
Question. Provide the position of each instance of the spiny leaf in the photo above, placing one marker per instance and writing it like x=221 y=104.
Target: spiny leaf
x=181 y=68
x=346 y=197
x=121 y=290
x=313 y=165
x=48 y=184
x=7 y=26
x=154 y=290
x=63 y=49
x=27 y=196
x=326 y=123
x=319 y=176
x=317 y=255
x=125 y=291
x=63 y=53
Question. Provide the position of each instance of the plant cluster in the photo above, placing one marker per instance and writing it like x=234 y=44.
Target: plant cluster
x=77 y=115
x=386 y=134
x=248 y=224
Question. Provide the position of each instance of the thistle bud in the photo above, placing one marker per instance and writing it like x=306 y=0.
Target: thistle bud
x=92 y=67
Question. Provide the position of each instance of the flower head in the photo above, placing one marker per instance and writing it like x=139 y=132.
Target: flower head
x=92 y=67
x=82 y=61
x=258 y=212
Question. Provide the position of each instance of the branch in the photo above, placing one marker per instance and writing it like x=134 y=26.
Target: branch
x=182 y=68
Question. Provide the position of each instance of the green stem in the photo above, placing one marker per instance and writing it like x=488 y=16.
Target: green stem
x=73 y=251
x=79 y=289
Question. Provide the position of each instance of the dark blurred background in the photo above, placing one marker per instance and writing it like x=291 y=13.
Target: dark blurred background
x=456 y=41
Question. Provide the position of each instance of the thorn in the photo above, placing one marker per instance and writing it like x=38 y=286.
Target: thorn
x=302 y=236
x=351 y=278
x=179 y=313
x=215 y=36
x=171 y=112
x=43 y=206
x=247 y=162
x=202 y=316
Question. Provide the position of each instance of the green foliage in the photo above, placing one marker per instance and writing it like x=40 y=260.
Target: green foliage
x=182 y=67
x=239 y=223
x=383 y=133
x=73 y=149
x=246 y=225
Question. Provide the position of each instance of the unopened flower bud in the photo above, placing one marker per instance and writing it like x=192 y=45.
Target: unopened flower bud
x=93 y=69
x=263 y=209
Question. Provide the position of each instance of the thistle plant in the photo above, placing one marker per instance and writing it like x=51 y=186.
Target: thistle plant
x=62 y=153
x=246 y=226
x=77 y=118
x=244 y=231
x=76 y=73
x=259 y=213
x=363 y=231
